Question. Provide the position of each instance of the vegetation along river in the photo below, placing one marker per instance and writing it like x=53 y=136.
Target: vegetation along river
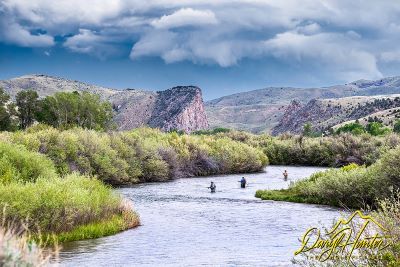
x=183 y=224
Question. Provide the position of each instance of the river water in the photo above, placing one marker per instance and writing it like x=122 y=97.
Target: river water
x=183 y=224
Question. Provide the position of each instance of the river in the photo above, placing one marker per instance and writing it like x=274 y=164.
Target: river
x=183 y=224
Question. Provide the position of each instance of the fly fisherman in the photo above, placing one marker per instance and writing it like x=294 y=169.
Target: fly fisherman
x=243 y=182
x=213 y=187
x=285 y=174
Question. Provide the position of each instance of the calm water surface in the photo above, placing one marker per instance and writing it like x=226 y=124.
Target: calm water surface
x=185 y=225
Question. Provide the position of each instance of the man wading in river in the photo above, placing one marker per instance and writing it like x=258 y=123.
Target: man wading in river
x=243 y=182
x=285 y=175
x=213 y=187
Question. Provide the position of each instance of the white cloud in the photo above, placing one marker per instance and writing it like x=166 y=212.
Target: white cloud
x=154 y=44
x=332 y=51
x=340 y=37
x=16 y=34
x=89 y=42
x=185 y=17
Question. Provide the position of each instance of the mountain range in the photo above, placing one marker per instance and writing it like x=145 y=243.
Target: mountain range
x=274 y=110
x=263 y=110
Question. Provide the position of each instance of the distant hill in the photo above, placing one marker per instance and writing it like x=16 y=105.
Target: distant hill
x=262 y=110
x=326 y=113
x=179 y=108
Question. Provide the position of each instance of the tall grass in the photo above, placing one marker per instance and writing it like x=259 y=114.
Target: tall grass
x=17 y=250
x=59 y=205
x=34 y=197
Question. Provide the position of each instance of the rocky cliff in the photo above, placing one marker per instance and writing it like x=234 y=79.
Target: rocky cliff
x=178 y=108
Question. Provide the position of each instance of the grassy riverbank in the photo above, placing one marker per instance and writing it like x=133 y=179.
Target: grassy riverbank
x=35 y=198
x=352 y=186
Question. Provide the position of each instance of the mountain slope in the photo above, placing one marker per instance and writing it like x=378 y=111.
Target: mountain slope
x=262 y=110
x=326 y=113
x=179 y=108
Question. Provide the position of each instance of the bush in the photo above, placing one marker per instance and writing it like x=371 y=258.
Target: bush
x=331 y=151
x=21 y=165
x=390 y=167
x=141 y=155
x=376 y=128
x=354 y=128
x=34 y=197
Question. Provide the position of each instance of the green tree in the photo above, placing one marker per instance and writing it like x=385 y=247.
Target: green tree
x=396 y=127
x=68 y=110
x=28 y=105
x=354 y=128
x=7 y=113
x=376 y=128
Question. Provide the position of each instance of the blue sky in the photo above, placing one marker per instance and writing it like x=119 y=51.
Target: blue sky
x=222 y=46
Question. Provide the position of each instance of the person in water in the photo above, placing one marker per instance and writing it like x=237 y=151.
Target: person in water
x=285 y=174
x=243 y=182
x=213 y=187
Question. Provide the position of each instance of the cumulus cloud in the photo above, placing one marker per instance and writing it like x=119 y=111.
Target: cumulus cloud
x=185 y=17
x=343 y=38
x=336 y=52
x=16 y=34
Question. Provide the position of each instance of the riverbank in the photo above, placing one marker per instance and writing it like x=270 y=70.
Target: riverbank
x=140 y=155
x=53 y=181
x=351 y=186
x=39 y=202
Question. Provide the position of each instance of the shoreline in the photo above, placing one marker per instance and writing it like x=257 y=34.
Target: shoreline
x=110 y=226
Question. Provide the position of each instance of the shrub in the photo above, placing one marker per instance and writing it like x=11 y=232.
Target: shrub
x=19 y=164
x=140 y=155
x=390 y=167
x=376 y=128
x=354 y=128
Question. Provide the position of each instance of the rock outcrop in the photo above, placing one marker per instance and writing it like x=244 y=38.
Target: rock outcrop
x=178 y=108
